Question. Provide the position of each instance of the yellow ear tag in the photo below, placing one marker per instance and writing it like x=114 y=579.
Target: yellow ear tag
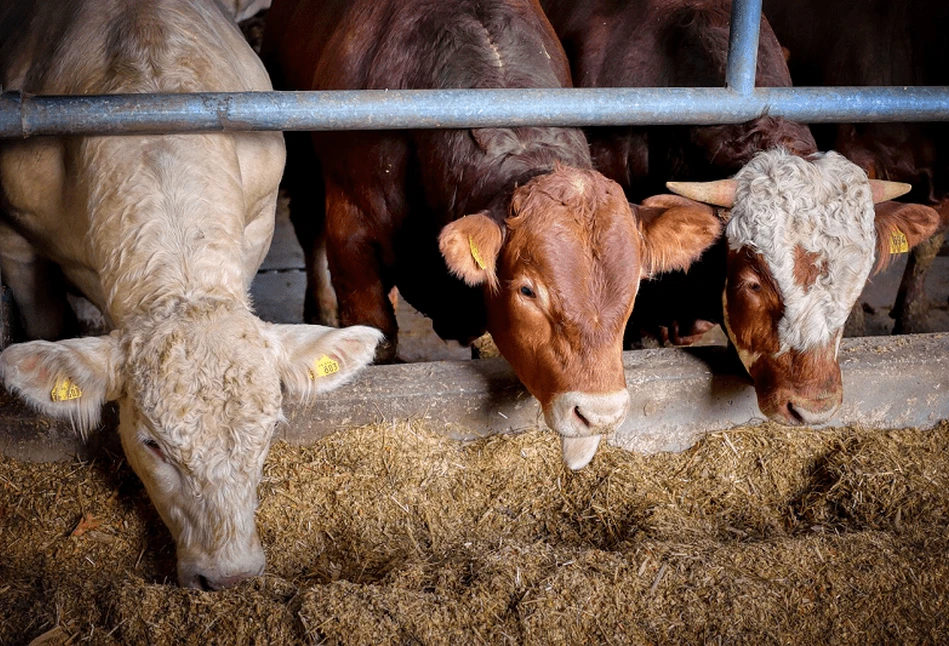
x=475 y=253
x=65 y=390
x=898 y=242
x=323 y=366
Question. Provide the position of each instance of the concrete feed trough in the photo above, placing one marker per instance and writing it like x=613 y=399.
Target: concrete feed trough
x=677 y=396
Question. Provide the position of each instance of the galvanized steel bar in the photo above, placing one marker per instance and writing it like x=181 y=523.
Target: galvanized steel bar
x=27 y=115
x=743 y=46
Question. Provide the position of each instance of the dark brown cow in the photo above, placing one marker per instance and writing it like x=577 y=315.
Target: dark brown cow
x=507 y=229
x=671 y=43
x=900 y=42
x=801 y=240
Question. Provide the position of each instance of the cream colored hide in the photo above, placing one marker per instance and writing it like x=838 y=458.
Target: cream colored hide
x=244 y=9
x=163 y=234
x=803 y=237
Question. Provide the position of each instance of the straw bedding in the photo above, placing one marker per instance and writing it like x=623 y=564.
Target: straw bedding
x=394 y=534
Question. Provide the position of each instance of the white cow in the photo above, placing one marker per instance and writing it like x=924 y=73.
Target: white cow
x=164 y=234
x=244 y=9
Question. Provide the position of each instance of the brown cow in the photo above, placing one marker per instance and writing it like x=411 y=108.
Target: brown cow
x=507 y=229
x=669 y=43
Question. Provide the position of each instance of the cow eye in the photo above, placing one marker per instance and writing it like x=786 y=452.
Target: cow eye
x=152 y=446
x=528 y=292
x=754 y=286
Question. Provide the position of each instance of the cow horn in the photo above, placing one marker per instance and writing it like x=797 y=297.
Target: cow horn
x=883 y=190
x=719 y=193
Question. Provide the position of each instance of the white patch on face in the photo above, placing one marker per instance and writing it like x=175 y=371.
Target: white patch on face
x=824 y=205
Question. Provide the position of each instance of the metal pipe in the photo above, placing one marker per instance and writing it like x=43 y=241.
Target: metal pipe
x=743 y=46
x=28 y=115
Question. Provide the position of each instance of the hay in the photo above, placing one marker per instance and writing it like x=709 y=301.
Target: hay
x=393 y=534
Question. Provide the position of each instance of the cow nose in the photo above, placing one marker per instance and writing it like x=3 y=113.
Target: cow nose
x=210 y=582
x=202 y=573
x=580 y=414
x=809 y=412
x=582 y=418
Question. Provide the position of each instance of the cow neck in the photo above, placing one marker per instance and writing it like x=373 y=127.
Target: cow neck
x=499 y=207
x=174 y=228
x=181 y=308
x=495 y=161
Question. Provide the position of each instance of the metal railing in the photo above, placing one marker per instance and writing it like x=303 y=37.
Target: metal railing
x=24 y=115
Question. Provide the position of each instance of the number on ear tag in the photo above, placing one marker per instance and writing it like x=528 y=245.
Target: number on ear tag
x=323 y=366
x=898 y=242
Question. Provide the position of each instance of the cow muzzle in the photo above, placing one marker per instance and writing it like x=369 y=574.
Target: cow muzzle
x=795 y=410
x=582 y=419
x=799 y=388
x=217 y=572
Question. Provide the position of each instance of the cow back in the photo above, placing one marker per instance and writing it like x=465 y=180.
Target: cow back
x=901 y=43
x=128 y=193
x=668 y=43
x=426 y=178
x=109 y=46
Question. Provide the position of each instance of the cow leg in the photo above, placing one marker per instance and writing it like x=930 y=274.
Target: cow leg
x=38 y=288
x=912 y=307
x=304 y=184
x=357 y=271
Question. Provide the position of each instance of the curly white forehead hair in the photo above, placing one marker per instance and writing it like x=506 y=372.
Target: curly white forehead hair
x=824 y=205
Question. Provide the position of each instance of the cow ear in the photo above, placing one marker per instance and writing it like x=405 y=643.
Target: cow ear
x=314 y=359
x=470 y=246
x=68 y=379
x=900 y=227
x=675 y=232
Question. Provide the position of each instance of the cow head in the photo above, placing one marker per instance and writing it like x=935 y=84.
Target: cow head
x=802 y=239
x=199 y=389
x=560 y=275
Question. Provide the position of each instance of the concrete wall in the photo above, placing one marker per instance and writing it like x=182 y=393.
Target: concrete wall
x=678 y=395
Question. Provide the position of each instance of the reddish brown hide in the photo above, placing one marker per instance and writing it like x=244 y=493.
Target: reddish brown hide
x=671 y=43
x=547 y=250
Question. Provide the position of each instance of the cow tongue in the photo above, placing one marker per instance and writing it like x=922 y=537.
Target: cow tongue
x=578 y=451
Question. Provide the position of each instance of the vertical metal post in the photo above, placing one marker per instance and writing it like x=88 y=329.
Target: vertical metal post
x=743 y=46
x=4 y=317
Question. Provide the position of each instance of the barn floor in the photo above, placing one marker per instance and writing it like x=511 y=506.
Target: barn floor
x=394 y=535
